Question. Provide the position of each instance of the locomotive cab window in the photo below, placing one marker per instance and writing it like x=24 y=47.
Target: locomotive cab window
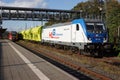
x=77 y=27
x=99 y=27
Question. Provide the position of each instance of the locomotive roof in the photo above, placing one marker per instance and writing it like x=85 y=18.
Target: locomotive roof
x=59 y=24
x=67 y=23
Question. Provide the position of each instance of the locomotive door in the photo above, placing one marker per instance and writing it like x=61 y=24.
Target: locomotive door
x=77 y=34
x=80 y=38
x=73 y=32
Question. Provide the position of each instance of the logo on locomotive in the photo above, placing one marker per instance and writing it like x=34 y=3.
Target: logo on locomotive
x=55 y=34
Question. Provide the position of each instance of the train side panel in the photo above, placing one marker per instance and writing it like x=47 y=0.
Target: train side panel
x=57 y=34
x=70 y=34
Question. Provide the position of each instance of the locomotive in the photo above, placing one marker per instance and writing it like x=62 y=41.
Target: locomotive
x=79 y=35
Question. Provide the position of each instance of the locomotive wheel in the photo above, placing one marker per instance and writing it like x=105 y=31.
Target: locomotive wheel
x=98 y=54
x=75 y=50
x=66 y=48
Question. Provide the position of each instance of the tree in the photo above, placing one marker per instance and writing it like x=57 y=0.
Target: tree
x=113 y=18
x=91 y=7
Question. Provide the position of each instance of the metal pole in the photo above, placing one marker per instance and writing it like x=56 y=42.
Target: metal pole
x=105 y=6
x=1 y=17
x=118 y=31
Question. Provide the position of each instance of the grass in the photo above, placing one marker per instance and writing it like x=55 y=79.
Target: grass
x=119 y=54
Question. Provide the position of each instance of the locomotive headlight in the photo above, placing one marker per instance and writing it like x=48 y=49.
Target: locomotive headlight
x=93 y=31
x=104 y=39
x=89 y=39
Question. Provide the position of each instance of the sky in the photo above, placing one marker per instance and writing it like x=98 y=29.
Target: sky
x=49 y=4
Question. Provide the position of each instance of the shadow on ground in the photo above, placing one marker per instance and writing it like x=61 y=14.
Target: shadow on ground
x=1 y=53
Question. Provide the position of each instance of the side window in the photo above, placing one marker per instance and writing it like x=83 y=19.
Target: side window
x=77 y=27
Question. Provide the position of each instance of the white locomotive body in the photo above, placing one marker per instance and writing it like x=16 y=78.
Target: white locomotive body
x=71 y=34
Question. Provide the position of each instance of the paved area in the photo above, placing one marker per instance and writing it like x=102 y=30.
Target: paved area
x=17 y=63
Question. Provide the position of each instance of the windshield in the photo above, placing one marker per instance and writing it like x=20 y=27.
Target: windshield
x=95 y=27
x=90 y=27
x=99 y=27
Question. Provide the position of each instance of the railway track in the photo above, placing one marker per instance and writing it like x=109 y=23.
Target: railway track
x=72 y=64
x=112 y=61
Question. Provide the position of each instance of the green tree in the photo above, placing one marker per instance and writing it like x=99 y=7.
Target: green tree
x=91 y=7
x=112 y=18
